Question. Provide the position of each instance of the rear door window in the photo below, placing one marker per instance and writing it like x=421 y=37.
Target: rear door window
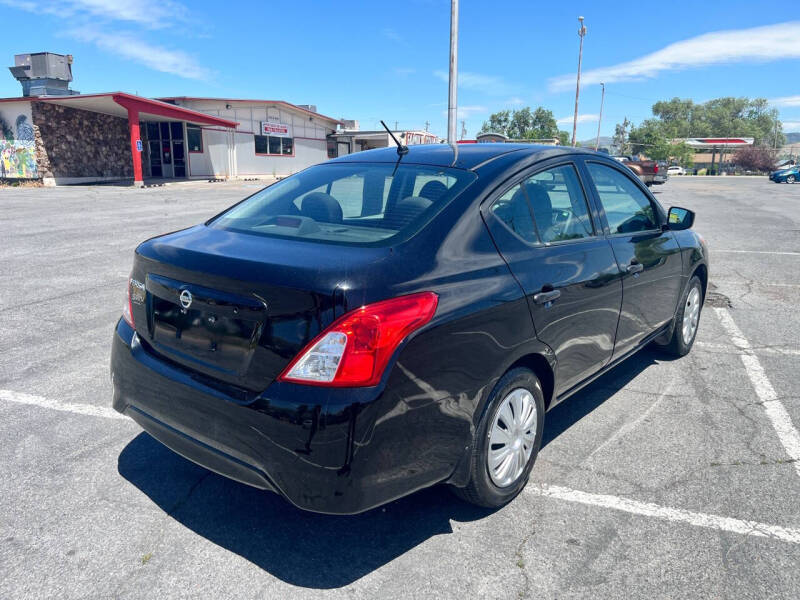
x=627 y=208
x=559 y=205
x=547 y=207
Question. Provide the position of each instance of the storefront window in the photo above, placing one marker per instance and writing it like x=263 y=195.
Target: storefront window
x=194 y=136
x=273 y=145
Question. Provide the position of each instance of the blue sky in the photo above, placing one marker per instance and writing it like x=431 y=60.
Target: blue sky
x=388 y=60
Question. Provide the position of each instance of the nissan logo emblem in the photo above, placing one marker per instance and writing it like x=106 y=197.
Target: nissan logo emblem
x=186 y=298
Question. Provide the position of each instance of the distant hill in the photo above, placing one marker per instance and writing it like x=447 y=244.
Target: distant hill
x=793 y=138
x=605 y=142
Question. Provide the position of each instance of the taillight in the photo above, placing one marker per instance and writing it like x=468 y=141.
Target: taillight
x=127 y=309
x=355 y=349
x=655 y=168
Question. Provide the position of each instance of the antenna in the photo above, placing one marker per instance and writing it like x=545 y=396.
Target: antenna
x=401 y=149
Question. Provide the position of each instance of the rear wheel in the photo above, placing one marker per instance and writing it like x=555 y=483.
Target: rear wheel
x=687 y=320
x=790 y=179
x=507 y=440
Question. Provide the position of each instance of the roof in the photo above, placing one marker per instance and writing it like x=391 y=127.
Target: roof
x=117 y=103
x=280 y=102
x=464 y=156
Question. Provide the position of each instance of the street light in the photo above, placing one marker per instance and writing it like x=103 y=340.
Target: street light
x=600 y=119
x=581 y=33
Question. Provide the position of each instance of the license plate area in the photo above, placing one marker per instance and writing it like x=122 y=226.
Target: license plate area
x=201 y=327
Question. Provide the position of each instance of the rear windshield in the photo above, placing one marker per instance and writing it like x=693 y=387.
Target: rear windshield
x=350 y=203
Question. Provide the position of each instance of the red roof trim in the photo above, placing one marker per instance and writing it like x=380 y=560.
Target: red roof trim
x=146 y=105
x=281 y=102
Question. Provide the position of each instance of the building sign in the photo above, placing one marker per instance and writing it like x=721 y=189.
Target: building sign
x=139 y=145
x=275 y=128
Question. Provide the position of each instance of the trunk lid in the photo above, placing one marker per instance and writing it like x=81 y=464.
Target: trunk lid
x=235 y=308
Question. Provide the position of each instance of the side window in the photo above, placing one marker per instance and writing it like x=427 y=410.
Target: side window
x=627 y=208
x=512 y=209
x=559 y=205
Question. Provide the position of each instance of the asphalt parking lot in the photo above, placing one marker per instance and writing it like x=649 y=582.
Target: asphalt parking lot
x=663 y=479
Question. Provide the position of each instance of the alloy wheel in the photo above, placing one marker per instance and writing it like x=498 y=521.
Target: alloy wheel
x=511 y=437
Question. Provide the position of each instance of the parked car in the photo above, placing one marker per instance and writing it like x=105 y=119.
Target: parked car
x=648 y=171
x=676 y=170
x=788 y=175
x=379 y=323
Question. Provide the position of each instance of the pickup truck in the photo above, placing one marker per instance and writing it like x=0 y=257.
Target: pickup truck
x=649 y=171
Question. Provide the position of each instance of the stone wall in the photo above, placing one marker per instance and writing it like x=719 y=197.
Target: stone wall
x=73 y=143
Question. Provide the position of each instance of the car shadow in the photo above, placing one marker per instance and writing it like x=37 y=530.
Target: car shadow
x=322 y=551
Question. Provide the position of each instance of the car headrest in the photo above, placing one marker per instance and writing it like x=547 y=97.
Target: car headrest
x=408 y=209
x=321 y=207
x=433 y=190
x=541 y=204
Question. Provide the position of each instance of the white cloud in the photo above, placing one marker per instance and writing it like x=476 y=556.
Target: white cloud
x=790 y=126
x=152 y=14
x=465 y=112
x=771 y=42
x=786 y=101
x=581 y=119
x=404 y=71
x=131 y=47
x=391 y=34
x=489 y=84
x=515 y=101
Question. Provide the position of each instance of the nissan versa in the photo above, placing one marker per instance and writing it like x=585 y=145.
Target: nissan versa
x=390 y=320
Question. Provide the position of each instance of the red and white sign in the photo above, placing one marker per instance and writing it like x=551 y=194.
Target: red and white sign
x=275 y=128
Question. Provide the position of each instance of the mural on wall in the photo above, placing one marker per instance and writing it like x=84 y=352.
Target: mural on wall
x=17 y=149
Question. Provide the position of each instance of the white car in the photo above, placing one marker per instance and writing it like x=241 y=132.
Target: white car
x=676 y=170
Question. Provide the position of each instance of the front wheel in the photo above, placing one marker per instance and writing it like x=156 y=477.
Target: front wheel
x=790 y=179
x=687 y=320
x=507 y=441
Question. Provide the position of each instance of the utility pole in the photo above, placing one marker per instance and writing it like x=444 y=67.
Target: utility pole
x=427 y=124
x=452 y=103
x=581 y=33
x=395 y=125
x=463 y=129
x=600 y=120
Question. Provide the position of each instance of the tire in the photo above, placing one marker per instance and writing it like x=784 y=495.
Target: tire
x=521 y=388
x=790 y=179
x=691 y=305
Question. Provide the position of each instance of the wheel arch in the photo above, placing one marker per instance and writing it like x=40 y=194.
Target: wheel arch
x=701 y=271
x=542 y=368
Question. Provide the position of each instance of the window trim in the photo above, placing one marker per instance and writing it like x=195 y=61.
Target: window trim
x=527 y=173
x=255 y=135
x=657 y=208
x=202 y=139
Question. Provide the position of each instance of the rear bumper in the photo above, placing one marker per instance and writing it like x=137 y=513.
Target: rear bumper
x=295 y=441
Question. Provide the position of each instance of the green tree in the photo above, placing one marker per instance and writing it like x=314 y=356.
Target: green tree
x=525 y=124
x=498 y=123
x=721 y=117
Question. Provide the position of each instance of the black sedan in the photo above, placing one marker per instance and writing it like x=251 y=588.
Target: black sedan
x=383 y=322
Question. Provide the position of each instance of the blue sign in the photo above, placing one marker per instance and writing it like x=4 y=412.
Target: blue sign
x=139 y=145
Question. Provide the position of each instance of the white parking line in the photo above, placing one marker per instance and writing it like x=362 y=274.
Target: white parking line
x=776 y=412
x=78 y=409
x=726 y=348
x=717 y=250
x=648 y=509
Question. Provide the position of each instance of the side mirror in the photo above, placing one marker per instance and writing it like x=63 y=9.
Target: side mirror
x=679 y=218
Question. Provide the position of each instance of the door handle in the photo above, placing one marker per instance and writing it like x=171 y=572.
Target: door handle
x=545 y=297
x=635 y=267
